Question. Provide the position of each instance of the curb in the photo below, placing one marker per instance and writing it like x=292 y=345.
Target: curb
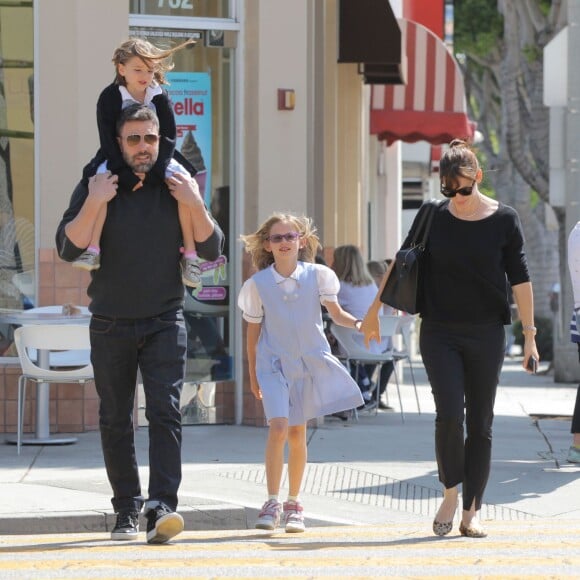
x=206 y=517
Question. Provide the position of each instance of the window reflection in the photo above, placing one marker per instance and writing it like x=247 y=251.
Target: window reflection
x=17 y=247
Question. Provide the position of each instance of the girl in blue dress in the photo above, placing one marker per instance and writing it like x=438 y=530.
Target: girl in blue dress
x=291 y=368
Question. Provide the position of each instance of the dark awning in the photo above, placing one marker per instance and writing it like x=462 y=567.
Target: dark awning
x=368 y=34
x=431 y=105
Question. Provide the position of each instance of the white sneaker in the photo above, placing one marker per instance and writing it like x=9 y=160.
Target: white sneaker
x=293 y=517
x=269 y=517
x=190 y=272
x=88 y=260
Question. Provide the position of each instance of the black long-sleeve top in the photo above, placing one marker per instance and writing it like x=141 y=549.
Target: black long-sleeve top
x=139 y=275
x=109 y=107
x=468 y=265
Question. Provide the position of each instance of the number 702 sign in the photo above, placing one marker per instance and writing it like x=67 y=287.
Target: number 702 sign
x=183 y=4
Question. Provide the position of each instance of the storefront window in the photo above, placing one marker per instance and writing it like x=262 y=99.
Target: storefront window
x=197 y=8
x=17 y=246
x=200 y=91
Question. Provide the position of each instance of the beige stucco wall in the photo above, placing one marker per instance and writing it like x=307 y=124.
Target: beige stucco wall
x=275 y=141
x=286 y=48
x=75 y=42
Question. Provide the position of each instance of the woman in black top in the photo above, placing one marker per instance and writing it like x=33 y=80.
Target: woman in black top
x=475 y=249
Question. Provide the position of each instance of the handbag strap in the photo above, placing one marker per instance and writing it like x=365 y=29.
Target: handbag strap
x=424 y=225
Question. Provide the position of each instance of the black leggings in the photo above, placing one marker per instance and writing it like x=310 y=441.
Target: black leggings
x=463 y=363
x=576 y=417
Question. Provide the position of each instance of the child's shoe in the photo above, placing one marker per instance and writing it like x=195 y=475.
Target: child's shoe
x=573 y=455
x=190 y=272
x=293 y=518
x=269 y=517
x=88 y=260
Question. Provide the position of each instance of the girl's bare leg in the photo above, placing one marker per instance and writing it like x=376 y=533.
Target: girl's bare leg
x=274 y=460
x=297 y=457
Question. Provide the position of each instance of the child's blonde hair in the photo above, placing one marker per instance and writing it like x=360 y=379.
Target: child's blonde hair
x=254 y=243
x=155 y=58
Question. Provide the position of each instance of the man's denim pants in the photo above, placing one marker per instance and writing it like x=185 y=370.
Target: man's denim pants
x=157 y=347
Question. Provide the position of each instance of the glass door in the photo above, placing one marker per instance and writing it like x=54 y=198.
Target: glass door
x=200 y=88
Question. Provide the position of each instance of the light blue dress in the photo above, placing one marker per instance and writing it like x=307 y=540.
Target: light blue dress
x=299 y=377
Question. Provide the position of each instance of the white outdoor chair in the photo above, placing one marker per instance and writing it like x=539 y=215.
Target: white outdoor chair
x=352 y=344
x=404 y=329
x=50 y=337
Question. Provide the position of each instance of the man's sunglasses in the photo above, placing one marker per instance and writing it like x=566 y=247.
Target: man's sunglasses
x=447 y=192
x=289 y=237
x=134 y=140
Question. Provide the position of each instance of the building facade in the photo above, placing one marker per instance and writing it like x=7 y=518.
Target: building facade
x=264 y=110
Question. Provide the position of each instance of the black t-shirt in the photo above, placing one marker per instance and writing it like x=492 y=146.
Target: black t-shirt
x=139 y=276
x=468 y=265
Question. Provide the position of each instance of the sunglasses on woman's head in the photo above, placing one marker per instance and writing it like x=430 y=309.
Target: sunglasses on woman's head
x=448 y=192
x=289 y=237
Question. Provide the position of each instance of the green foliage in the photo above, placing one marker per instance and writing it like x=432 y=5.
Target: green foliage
x=544 y=338
x=478 y=26
x=532 y=53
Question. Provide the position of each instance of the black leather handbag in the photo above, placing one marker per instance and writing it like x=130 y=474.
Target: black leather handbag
x=402 y=289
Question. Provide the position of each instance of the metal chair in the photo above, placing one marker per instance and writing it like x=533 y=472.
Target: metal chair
x=43 y=339
x=404 y=329
x=352 y=343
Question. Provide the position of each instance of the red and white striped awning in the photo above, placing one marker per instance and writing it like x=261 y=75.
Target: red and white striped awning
x=431 y=105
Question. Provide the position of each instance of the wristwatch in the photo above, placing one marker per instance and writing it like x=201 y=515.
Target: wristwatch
x=529 y=328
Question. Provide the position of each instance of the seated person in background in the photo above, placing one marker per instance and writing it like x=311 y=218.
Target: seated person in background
x=357 y=292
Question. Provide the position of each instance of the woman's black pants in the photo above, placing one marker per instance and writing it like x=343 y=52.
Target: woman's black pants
x=463 y=364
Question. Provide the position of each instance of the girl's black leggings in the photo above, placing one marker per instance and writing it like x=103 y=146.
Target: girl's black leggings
x=463 y=363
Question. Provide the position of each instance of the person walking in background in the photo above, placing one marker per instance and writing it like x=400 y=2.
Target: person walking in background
x=140 y=69
x=574 y=267
x=291 y=368
x=474 y=244
x=137 y=319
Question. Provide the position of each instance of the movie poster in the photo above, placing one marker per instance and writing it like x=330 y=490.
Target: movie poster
x=190 y=93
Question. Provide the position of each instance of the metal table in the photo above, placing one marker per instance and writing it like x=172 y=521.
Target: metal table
x=43 y=315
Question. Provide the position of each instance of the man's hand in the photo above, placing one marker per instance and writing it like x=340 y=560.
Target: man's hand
x=185 y=190
x=103 y=187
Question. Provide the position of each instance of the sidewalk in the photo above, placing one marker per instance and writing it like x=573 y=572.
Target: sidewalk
x=376 y=470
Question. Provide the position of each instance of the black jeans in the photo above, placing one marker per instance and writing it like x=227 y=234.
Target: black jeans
x=157 y=347
x=463 y=363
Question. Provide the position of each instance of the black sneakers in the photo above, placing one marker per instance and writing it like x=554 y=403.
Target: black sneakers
x=127 y=525
x=162 y=524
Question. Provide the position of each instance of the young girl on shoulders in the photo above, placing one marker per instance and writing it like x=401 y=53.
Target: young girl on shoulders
x=140 y=69
x=291 y=368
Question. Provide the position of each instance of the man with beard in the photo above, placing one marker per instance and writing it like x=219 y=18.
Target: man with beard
x=137 y=318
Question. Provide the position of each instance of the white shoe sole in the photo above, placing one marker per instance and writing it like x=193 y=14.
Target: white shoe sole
x=263 y=525
x=295 y=528
x=166 y=527
x=87 y=267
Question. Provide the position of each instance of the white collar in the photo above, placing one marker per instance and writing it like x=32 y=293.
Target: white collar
x=152 y=91
x=294 y=276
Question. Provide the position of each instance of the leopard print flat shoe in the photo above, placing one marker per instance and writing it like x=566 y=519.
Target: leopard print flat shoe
x=442 y=528
x=472 y=530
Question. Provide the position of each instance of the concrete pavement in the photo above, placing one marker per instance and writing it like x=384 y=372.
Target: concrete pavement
x=373 y=471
